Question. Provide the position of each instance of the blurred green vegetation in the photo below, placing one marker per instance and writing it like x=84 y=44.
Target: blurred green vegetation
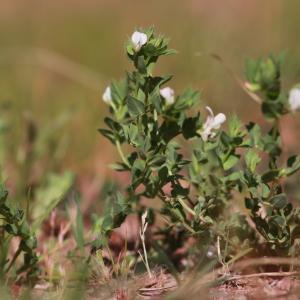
x=57 y=57
x=91 y=34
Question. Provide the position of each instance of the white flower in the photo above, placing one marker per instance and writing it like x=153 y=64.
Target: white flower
x=107 y=95
x=139 y=39
x=212 y=123
x=168 y=94
x=294 y=99
x=262 y=212
x=211 y=252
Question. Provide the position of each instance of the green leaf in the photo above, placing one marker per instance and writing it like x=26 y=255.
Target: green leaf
x=269 y=71
x=49 y=195
x=255 y=134
x=251 y=203
x=133 y=135
x=279 y=201
x=78 y=227
x=107 y=224
x=119 y=91
x=272 y=110
x=186 y=100
x=234 y=176
x=264 y=75
x=270 y=176
x=135 y=107
x=178 y=190
x=190 y=127
x=120 y=167
x=157 y=160
x=265 y=191
x=169 y=130
x=293 y=164
x=108 y=134
x=277 y=221
x=158 y=81
x=230 y=162
x=252 y=160
x=234 y=126
x=141 y=65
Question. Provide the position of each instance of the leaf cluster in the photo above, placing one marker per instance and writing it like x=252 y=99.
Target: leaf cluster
x=264 y=77
x=14 y=224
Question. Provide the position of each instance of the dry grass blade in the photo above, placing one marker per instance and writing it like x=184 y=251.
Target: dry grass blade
x=254 y=262
x=161 y=284
x=265 y=274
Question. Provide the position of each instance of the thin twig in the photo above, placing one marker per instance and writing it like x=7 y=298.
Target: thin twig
x=211 y=278
x=266 y=274
x=17 y=253
x=218 y=58
x=186 y=207
x=142 y=236
x=143 y=290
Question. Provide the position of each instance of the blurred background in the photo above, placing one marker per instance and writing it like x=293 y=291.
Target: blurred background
x=56 y=58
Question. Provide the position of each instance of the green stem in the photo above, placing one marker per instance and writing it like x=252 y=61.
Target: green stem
x=189 y=210
x=124 y=159
x=186 y=207
x=17 y=253
x=188 y=227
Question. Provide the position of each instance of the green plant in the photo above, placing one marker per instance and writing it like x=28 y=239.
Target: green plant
x=32 y=201
x=201 y=184
x=13 y=224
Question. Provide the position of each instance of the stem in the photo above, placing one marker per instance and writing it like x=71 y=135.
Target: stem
x=186 y=207
x=146 y=259
x=124 y=159
x=229 y=70
x=187 y=197
x=142 y=236
x=190 y=200
x=275 y=131
x=283 y=142
x=188 y=227
x=14 y=258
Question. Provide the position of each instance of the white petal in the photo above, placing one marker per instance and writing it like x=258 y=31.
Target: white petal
x=219 y=119
x=168 y=94
x=107 y=95
x=294 y=99
x=143 y=38
x=212 y=123
x=205 y=134
x=135 y=38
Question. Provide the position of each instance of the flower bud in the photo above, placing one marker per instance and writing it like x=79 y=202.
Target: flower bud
x=107 y=96
x=294 y=99
x=168 y=94
x=139 y=39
